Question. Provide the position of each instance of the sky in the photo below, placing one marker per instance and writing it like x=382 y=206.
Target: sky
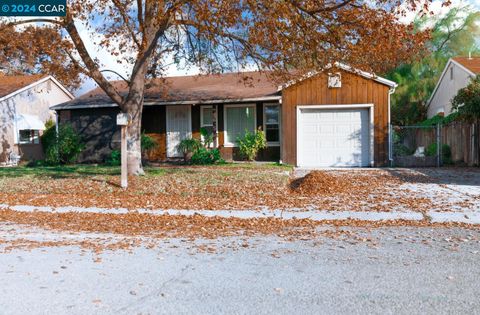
x=109 y=62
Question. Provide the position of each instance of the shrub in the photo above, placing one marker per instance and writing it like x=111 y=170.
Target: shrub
x=251 y=143
x=207 y=137
x=197 y=152
x=206 y=156
x=431 y=150
x=188 y=147
x=444 y=120
x=447 y=154
x=63 y=148
x=402 y=150
x=115 y=158
x=147 y=143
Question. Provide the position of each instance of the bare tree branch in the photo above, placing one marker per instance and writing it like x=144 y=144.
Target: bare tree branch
x=90 y=63
x=126 y=21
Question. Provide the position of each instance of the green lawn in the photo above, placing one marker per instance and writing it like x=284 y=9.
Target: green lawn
x=98 y=170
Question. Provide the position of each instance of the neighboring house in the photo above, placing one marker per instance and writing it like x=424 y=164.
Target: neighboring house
x=320 y=120
x=457 y=74
x=25 y=103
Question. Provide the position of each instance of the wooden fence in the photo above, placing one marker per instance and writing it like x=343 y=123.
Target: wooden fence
x=463 y=139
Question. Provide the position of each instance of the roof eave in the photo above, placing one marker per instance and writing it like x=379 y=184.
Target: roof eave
x=65 y=106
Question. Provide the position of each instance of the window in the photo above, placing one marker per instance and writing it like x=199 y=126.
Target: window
x=271 y=121
x=451 y=73
x=29 y=137
x=206 y=120
x=238 y=119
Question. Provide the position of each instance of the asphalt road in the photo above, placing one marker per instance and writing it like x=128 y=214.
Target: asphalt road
x=384 y=271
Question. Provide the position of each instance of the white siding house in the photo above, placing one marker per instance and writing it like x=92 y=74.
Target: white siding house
x=25 y=103
x=457 y=74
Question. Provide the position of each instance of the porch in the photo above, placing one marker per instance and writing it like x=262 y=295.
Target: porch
x=170 y=124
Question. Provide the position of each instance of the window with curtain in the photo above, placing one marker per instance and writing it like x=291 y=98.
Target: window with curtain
x=272 y=123
x=238 y=119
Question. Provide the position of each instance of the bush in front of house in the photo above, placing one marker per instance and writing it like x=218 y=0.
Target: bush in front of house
x=147 y=142
x=204 y=156
x=251 y=143
x=207 y=137
x=115 y=158
x=63 y=148
x=196 y=152
x=188 y=147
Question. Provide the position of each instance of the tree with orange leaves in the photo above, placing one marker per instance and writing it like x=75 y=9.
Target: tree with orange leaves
x=34 y=50
x=221 y=35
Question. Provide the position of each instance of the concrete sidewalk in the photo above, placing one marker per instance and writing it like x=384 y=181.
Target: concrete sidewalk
x=469 y=217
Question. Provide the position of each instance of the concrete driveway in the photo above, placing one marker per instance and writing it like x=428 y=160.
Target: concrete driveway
x=448 y=189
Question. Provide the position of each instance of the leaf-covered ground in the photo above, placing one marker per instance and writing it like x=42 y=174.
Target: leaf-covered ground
x=242 y=186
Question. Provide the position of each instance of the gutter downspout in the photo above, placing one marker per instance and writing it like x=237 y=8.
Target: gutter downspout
x=390 y=144
x=56 y=122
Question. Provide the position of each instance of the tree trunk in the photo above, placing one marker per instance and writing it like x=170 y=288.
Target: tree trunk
x=134 y=135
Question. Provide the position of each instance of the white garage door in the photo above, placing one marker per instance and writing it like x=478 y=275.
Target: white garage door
x=333 y=137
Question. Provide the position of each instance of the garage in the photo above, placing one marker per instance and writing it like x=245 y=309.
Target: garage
x=334 y=136
x=336 y=119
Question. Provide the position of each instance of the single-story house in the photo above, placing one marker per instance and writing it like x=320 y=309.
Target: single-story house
x=337 y=119
x=456 y=75
x=25 y=106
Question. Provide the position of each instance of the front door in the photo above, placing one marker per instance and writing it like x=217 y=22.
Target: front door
x=179 y=127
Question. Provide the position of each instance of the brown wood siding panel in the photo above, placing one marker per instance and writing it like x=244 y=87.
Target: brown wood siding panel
x=355 y=90
x=159 y=153
x=154 y=124
x=376 y=113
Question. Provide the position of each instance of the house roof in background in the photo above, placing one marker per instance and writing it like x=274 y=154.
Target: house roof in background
x=195 y=89
x=10 y=84
x=471 y=64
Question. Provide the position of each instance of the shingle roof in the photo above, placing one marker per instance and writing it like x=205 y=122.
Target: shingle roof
x=472 y=64
x=197 y=88
x=10 y=84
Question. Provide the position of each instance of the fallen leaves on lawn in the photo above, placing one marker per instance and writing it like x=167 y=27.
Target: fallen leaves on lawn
x=234 y=188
